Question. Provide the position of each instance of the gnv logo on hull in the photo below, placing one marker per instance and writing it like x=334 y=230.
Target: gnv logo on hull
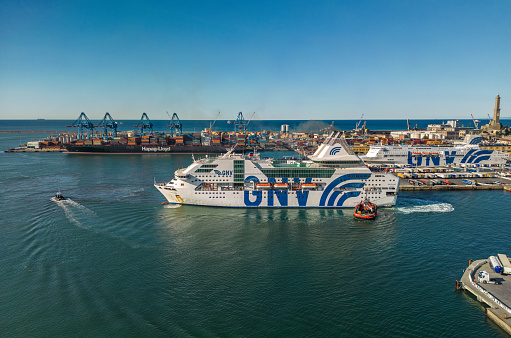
x=223 y=172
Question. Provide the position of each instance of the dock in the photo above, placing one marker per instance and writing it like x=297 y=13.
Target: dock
x=454 y=187
x=497 y=297
x=493 y=182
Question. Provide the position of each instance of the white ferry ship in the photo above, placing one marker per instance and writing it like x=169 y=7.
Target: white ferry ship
x=334 y=177
x=468 y=153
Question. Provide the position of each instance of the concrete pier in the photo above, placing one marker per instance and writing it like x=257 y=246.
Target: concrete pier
x=453 y=187
x=497 y=297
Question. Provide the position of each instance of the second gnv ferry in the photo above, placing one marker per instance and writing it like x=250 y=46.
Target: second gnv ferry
x=334 y=177
x=468 y=153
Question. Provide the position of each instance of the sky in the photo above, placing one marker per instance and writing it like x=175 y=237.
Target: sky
x=279 y=59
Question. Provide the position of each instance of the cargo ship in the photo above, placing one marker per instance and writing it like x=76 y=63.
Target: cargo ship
x=147 y=144
x=333 y=177
x=140 y=149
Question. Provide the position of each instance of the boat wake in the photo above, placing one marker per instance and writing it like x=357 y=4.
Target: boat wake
x=77 y=213
x=172 y=206
x=87 y=219
x=409 y=206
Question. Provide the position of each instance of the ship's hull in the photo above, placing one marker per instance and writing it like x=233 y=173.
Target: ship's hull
x=342 y=192
x=271 y=199
x=433 y=157
x=140 y=149
x=331 y=178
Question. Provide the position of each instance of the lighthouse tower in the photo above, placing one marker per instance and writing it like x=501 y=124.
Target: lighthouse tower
x=494 y=126
x=496 y=111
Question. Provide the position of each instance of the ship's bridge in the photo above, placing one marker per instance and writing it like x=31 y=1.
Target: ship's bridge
x=180 y=174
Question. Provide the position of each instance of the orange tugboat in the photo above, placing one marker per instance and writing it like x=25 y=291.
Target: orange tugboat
x=365 y=210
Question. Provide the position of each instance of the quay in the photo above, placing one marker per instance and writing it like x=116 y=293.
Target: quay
x=454 y=187
x=492 y=182
x=496 y=296
x=37 y=132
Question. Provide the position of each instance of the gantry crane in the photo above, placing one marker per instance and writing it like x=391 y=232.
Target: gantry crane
x=83 y=122
x=108 y=122
x=240 y=123
x=144 y=123
x=175 y=126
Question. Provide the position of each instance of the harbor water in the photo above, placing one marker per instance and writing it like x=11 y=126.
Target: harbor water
x=113 y=261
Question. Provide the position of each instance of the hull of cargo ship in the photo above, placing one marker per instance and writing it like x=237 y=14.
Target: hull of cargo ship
x=141 y=149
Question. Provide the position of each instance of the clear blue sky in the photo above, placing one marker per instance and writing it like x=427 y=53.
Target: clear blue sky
x=281 y=59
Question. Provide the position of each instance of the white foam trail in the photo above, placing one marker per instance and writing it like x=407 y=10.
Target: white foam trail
x=74 y=211
x=436 y=208
x=172 y=206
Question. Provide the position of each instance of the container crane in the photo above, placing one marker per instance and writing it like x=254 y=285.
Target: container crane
x=83 y=122
x=108 y=122
x=175 y=126
x=240 y=123
x=144 y=123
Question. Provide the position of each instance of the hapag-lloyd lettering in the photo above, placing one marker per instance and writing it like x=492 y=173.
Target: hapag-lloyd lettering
x=155 y=149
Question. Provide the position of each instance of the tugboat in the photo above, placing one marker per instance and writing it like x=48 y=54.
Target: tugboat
x=365 y=210
x=59 y=196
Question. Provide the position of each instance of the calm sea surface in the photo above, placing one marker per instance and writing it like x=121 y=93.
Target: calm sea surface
x=113 y=261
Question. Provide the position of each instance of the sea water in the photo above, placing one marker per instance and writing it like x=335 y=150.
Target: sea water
x=112 y=261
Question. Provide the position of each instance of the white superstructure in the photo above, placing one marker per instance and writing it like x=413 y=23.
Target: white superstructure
x=468 y=153
x=334 y=177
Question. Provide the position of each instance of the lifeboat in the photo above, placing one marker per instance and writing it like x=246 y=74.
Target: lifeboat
x=280 y=185
x=263 y=185
x=309 y=186
x=365 y=210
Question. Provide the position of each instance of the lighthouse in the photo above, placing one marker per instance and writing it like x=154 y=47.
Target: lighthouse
x=496 y=112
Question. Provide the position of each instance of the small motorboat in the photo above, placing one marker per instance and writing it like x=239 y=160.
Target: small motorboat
x=365 y=210
x=59 y=196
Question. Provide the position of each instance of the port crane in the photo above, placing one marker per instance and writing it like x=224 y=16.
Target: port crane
x=358 y=123
x=240 y=123
x=213 y=123
x=175 y=126
x=83 y=122
x=108 y=122
x=250 y=118
x=475 y=121
x=144 y=123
